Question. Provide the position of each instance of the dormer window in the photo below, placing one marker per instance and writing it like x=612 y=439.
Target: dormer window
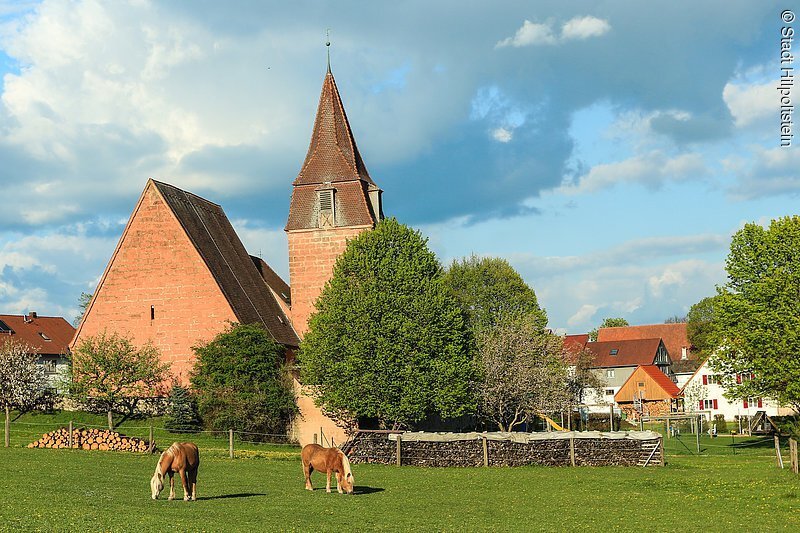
x=44 y=336
x=326 y=209
x=614 y=351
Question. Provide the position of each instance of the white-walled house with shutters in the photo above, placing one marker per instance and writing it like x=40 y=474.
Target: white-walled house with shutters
x=704 y=393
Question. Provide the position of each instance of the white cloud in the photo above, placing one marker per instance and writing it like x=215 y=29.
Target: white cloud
x=584 y=315
x=584 y=27
x=529 y=34
x=764 y=172
x=651 y=170
x=577 y=28
x=502 y=135
x=752 y=103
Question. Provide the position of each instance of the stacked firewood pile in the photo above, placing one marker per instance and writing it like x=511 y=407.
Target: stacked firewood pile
x=91 y=439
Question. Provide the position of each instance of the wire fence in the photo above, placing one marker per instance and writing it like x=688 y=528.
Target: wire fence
x=229 y=443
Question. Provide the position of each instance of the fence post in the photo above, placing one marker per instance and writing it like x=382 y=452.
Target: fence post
x=697 y=433
x=315 y=438
x=230 y=443
x=572 y=450
x=611 y=417
x=778 y=458
x=793 y=455
x=485 y=452
x=151 y=446
x=70 y=434
x=8 y=427
x=399 y=438
x=661 y=446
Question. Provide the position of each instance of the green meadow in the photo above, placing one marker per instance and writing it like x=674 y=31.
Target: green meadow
x=262 y=490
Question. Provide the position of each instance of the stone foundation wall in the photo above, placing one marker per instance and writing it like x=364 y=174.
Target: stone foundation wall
x=450 y=450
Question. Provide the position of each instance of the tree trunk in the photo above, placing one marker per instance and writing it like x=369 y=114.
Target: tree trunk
x=8 y=425
x=110 y=421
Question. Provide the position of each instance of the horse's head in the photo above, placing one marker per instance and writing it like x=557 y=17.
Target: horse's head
x=156 y=484
x=347 y=475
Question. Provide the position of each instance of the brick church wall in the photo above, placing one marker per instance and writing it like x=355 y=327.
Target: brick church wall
x=312 y=255
x=157 y=265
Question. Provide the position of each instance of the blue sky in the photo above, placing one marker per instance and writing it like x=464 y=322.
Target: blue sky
x=608 y=153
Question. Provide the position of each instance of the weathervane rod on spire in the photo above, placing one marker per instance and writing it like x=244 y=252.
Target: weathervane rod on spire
x=328 y=46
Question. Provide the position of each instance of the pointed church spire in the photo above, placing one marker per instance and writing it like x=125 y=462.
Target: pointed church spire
x=332 y=154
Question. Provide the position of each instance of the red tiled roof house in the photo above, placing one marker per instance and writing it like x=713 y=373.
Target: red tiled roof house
x=649 y=392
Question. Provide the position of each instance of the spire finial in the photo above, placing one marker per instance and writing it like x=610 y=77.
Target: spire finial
x=328 y=46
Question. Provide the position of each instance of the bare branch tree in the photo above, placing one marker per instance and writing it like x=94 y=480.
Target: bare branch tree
x=22 y=379
x=524 y=373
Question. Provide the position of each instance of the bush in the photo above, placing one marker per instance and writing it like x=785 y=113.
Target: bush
x=722 y=425
x=241 y=383
x=181 y=415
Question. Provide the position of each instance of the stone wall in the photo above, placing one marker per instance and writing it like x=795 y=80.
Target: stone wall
x=509 y=449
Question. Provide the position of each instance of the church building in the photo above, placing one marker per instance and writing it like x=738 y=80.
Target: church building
x=180 y=273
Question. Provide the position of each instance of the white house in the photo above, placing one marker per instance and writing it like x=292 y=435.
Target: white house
x=703 y=392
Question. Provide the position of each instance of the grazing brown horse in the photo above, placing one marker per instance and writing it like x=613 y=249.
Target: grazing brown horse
x=182 y=458
x=327 y=460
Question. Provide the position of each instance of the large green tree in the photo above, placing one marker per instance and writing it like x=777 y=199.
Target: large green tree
x=241 y=382
x=388 y=340
x=758 y=313
x=613 y=322
x=701 y=326
x=491 y=293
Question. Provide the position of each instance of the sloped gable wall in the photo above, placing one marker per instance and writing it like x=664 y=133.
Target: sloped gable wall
x=156 y=265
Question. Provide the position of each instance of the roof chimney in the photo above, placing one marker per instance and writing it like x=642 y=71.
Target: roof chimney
x=31 y=316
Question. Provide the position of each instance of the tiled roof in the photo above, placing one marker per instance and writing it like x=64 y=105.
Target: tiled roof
x=332 y=161
x=332 y=154
x=27 y=329
x=674 y=336
x=350 y=206
x=576 y=342
x=273 y=280
x=231 y=266
x=628 y=353
x=662 y=380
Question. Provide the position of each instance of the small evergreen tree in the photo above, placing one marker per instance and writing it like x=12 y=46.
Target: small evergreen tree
x=181 y=415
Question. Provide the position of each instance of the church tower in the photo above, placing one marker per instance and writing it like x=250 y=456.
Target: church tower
x=333 y=200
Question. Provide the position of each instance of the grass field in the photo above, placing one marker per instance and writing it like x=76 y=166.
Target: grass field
x=263 y=490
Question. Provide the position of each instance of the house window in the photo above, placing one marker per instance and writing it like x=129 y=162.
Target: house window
x=44 y=336
x=710 y=404
x=640 y=384
x=609 y=392
x=326 y=209
x=684 y=353
x=610 y=373
x=49 y=366
x=614 y=351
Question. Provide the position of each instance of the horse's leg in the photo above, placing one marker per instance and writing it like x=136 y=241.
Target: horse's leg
x=193 y=483
x=171 y=486
x=339 y=482
x=185 y=483
x=307 y=469
x=328 y=485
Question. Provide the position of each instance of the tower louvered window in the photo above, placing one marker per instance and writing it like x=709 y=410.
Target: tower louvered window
x=326 y=209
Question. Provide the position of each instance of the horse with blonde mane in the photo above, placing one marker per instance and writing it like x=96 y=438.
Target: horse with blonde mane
x=182 y=458
x=327 y=460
